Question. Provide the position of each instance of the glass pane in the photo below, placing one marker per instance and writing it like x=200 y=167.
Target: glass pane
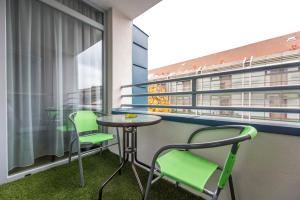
x=54 y=68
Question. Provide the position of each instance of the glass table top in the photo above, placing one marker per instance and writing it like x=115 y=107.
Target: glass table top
x=122 y=121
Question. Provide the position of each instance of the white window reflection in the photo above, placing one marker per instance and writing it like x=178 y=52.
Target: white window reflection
x=89 y=67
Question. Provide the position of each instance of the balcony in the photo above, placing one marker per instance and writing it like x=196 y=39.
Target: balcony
x=60 y=60
x=265 y=92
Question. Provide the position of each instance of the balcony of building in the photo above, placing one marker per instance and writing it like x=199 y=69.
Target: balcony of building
x=61 y=57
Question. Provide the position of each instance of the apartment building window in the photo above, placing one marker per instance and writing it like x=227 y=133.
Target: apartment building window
x=293 y=76
x=278 y=77
x=206 y=83
x=258 y=79
x=276 y=100
x=225 y=82
x=236 y=81
x=187 y=86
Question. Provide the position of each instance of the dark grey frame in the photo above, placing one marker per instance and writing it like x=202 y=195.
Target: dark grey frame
x=189 y=145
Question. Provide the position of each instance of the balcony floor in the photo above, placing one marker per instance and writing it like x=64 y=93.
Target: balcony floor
x=63 y=183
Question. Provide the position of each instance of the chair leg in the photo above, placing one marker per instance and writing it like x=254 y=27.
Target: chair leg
x=231 y=188
x=119 y=148
x=149 y=183
x=80 y=166
x=119 y=145
x=70 y=150
x=101 y=149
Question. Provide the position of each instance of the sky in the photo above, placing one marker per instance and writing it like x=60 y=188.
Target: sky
x=180 y=30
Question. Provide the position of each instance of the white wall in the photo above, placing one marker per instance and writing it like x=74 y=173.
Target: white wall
x=3 y=124
x=119 y=57
x=267 y=168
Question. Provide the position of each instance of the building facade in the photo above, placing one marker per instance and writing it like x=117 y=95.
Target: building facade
x=284 y=49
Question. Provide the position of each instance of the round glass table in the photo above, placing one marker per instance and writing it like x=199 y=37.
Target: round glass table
x=129 y=126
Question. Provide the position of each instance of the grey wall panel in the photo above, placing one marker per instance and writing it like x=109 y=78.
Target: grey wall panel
x=139 y=37
x=140 y=64
x=139 y=56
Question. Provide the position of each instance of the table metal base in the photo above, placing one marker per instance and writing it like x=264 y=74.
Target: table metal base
x=129 y=150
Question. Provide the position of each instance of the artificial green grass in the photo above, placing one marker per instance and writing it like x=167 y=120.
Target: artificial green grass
x=63 y=183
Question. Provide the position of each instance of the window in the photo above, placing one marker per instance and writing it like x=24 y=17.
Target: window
x=53 y=68
x=225 y=82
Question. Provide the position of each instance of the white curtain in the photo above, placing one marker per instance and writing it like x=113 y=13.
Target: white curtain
x=44 y=79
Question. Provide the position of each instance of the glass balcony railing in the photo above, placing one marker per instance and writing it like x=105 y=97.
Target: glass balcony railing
x=265 y=92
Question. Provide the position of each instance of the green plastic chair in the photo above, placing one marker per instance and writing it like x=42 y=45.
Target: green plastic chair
x=187 y=168
x=88 y=133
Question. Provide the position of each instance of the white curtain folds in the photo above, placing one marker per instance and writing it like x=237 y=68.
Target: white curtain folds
x=54 y=66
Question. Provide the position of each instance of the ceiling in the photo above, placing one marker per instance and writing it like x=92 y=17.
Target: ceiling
x=130 y=8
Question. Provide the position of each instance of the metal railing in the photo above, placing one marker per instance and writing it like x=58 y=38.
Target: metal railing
x=194 y=91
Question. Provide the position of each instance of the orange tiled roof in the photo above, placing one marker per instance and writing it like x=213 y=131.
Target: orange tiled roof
x=267 y=47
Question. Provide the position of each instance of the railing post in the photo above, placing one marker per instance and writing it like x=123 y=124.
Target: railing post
x=194 y=90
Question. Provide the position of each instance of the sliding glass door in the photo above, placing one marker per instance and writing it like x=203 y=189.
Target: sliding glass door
x=54 y=67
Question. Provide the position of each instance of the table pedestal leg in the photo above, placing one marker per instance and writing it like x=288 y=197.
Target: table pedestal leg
x=133 y=159
x=129 y=149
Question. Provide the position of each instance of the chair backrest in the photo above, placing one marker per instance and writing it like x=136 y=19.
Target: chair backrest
x=84 y=121
x=230 y=160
